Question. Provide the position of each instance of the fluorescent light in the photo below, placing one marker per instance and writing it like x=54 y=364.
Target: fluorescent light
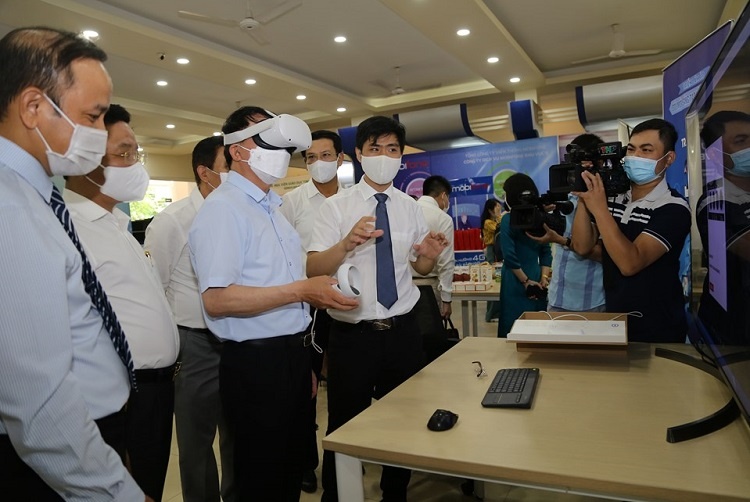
x=90 y=34
x=340 y=39
x=463 y=32
x=183 y=61
x=493 y=59
x=515 y=80
x=170 y=126
x=217 y=133
x=341 y=109
x=301 y=97
x=250 y=81
x=162 y=83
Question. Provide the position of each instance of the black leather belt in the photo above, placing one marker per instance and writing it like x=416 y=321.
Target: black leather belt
x=205 y=331
x=157 y=375
x=376 y=324
x=297 y=339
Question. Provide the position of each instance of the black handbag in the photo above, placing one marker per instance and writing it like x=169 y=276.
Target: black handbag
x=451 y=333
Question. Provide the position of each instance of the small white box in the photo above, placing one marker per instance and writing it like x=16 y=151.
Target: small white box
x=569 y=329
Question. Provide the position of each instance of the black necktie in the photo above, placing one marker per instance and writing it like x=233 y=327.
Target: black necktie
x=94 y=288
x=386 y=275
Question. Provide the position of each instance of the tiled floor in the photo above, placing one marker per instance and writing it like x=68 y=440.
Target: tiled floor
x=423 y=487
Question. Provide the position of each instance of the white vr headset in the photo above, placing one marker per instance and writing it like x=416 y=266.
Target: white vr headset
x=281 y=132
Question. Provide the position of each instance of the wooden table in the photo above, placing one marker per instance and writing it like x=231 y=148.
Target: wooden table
x=469 y=301
x=597 y=427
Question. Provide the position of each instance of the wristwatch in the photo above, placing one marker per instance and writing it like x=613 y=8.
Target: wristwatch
x=567 y=243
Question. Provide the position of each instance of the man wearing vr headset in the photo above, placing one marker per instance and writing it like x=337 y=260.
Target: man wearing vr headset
x=382 y=231
x=300 y=207
x=249 y=267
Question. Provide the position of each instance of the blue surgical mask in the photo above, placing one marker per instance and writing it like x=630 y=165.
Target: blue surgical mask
x=641 y=170
x=741 y=162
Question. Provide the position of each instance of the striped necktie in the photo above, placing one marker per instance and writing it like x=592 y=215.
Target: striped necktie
x=94 y=288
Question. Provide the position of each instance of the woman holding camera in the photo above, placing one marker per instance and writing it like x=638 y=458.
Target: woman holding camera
x=526 y=264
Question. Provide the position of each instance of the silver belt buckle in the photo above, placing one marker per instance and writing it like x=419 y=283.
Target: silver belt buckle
x=382 y=324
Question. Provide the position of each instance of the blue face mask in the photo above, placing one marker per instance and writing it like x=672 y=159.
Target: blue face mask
x=741 y=162
x=641 y=170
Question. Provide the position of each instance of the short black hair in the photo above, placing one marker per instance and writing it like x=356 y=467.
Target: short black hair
x=435 y=185
x=115 y=114
x=516 y=185
x=713 y=127
x=41 y=57
x=204 y=154
x=240 y=119
x=373 y=128
x=587 y=141
x=667 y=132
x=326 y=134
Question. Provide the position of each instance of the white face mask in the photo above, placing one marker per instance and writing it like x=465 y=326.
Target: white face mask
x=85 y=151
x=124 y=184
x=322 y=171
x=447 y=203
x=222 y=178
x=381 y=169
x=269 y=165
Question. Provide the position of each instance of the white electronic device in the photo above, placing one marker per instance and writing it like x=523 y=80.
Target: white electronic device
x=349 y=280
x=281 y=132
x=612 y=331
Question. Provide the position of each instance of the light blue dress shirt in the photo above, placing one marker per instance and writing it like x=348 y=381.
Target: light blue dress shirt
x=577 y=283
x=240 y=237
x=59 y=370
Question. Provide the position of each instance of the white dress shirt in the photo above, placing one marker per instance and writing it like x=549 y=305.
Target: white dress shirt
x=439 y=221
x=300 y=207
x=167 y=242
x=239 y=237
x=59 y=368
x=130 y=281
x=337 y=216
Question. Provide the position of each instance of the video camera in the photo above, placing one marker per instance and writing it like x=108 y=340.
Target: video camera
x=606 y=159
x=531 y=214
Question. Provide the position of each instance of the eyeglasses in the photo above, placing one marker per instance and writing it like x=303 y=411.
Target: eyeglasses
x=479 y=369
x=325 y=156
x=129 y=157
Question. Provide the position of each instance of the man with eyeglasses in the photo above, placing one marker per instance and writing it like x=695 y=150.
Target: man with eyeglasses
x=135 y=292
x=300 y=207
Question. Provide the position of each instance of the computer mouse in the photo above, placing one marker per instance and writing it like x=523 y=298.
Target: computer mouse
x=442 y=420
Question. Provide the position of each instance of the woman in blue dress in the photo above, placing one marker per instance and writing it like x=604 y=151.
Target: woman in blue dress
x=526 y=262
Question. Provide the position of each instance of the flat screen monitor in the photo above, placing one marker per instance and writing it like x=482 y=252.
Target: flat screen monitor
x=719 y=181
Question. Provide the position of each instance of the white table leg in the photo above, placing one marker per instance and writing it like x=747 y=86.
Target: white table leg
x=465 y=328
x=474 y=325
x=349 y=478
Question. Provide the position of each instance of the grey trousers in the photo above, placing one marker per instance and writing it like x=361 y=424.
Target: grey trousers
x=198 y=413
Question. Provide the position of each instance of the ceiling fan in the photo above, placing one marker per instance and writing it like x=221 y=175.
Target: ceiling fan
x=397 y=89
x=618 y=49
x=250 y=24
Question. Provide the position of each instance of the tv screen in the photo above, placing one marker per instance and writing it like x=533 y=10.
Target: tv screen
x=719 y=181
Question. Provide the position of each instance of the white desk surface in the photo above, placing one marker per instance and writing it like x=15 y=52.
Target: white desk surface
x=597 y=426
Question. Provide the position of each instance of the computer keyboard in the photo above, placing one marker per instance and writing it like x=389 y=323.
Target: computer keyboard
x=512 y=388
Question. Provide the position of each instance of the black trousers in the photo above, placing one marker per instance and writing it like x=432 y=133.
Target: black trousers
x=149 y=429
x=430 y=324
x=265 y=388
x=322 y=330
x=21 y=482
x=366 y=364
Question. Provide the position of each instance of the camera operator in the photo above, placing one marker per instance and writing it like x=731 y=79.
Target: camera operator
x=526 y=264
x=642 y=232
x=576 y=284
